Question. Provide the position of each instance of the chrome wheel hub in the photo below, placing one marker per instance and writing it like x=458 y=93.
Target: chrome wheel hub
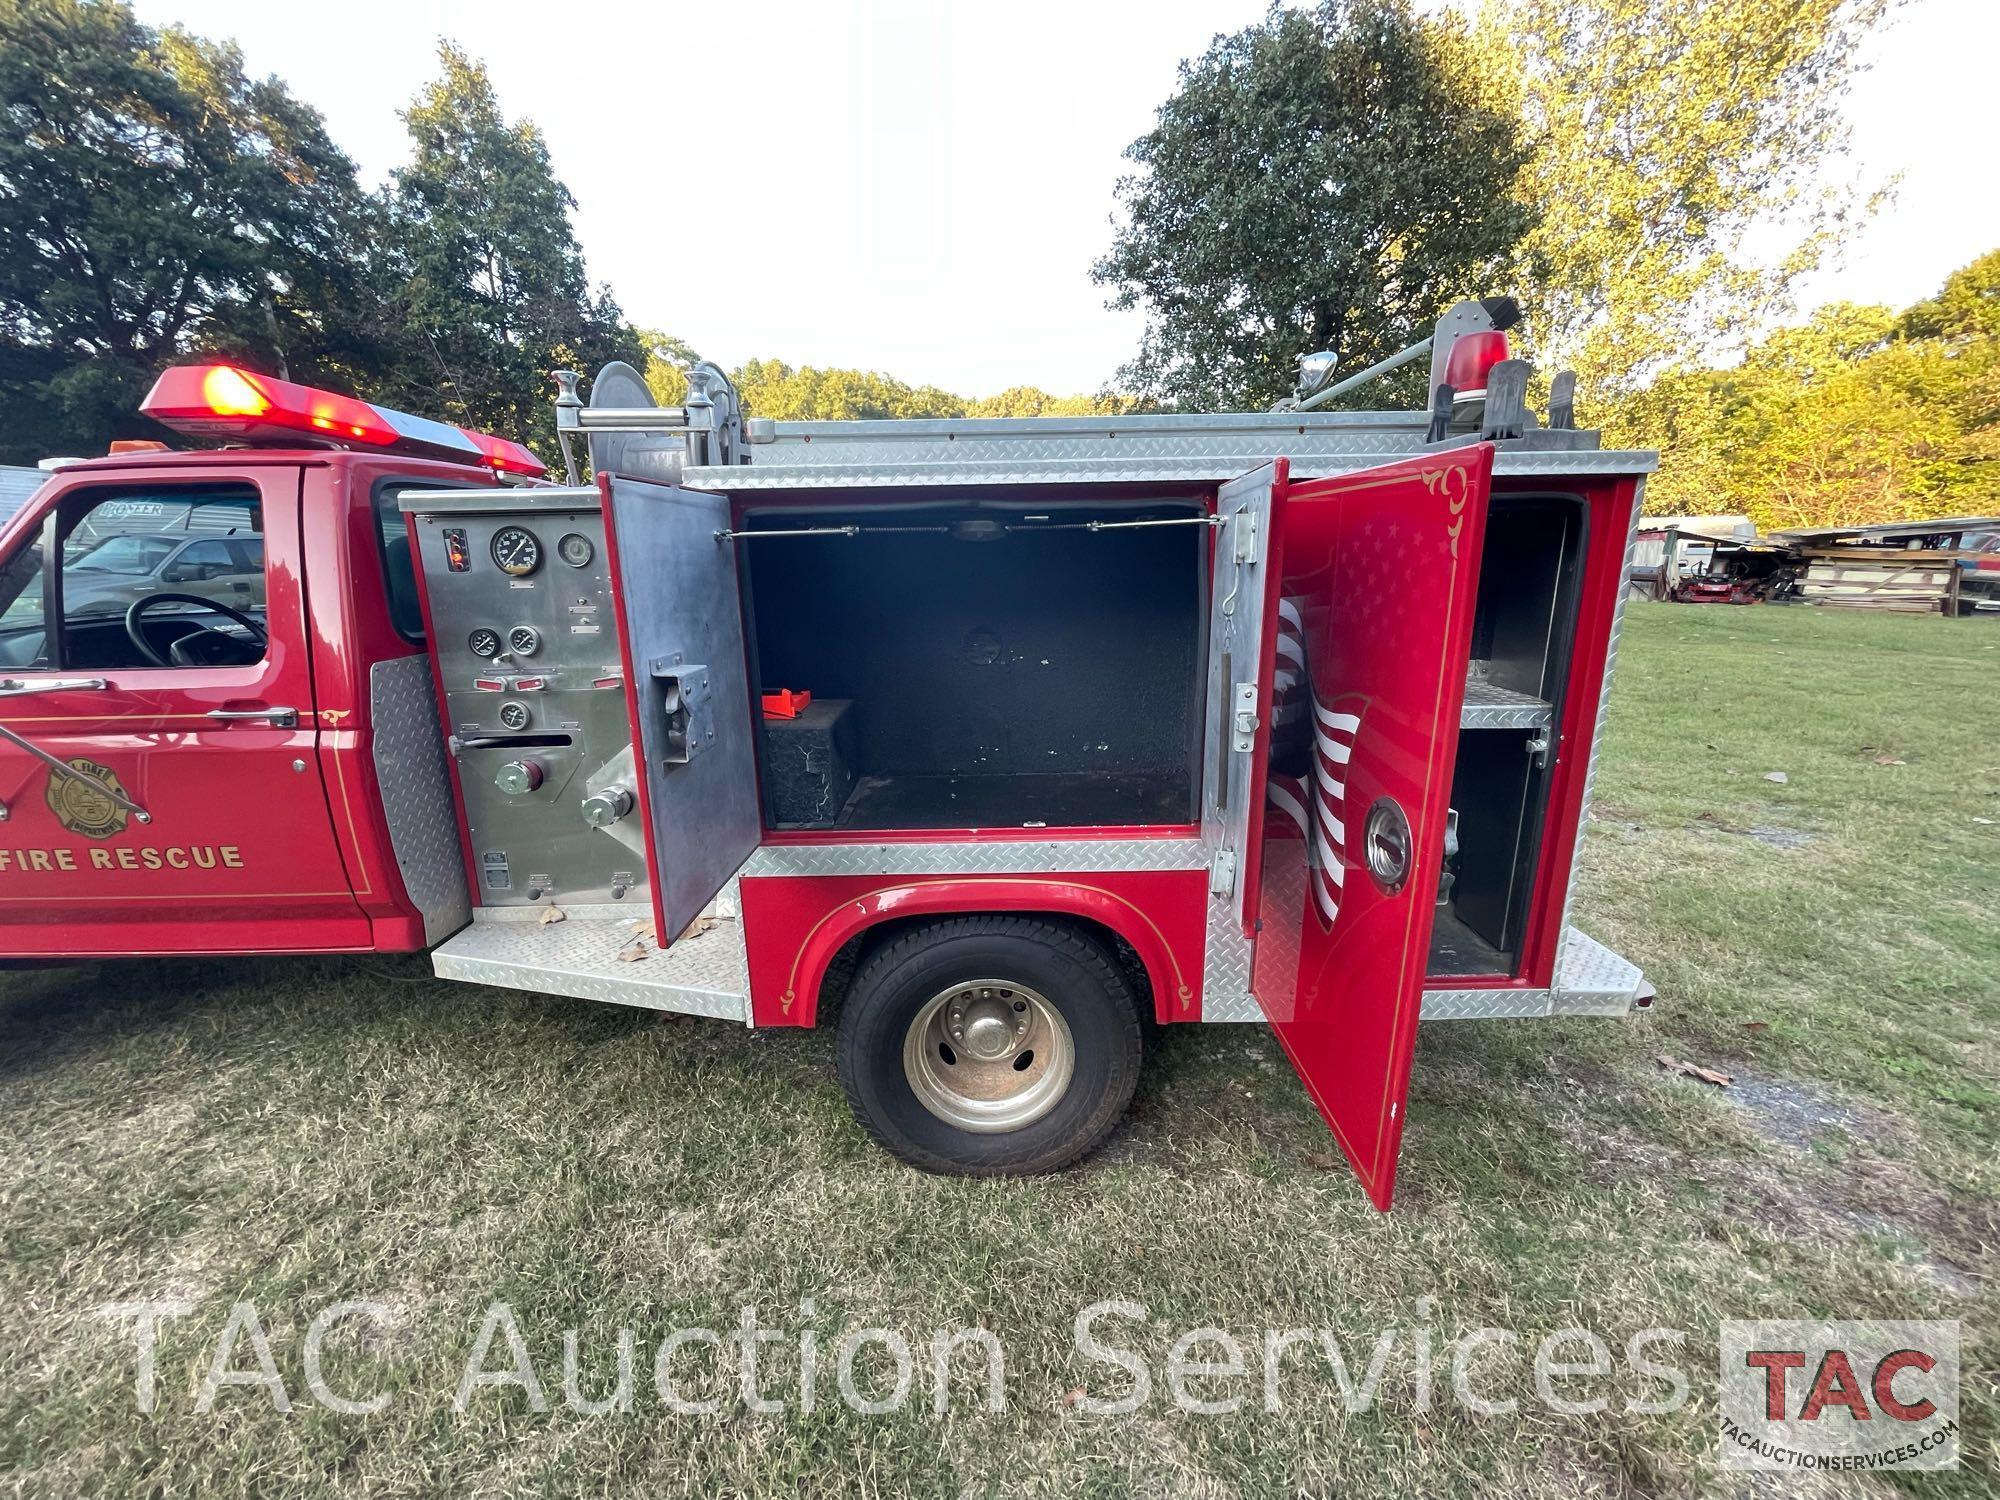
x=988 y=1055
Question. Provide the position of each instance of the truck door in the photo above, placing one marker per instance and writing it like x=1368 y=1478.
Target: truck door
x=1370 y=637
x=673 y=575
x=161 y=785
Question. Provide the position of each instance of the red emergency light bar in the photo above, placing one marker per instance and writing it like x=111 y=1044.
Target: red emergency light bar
x=223 y=401
x=1472 y=358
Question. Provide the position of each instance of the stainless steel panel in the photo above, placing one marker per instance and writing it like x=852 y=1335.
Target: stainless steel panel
x=1235 y=644
x=508 y=501
x=683 y=619
x=707 y=975
x=531 y=844
x=417 y=800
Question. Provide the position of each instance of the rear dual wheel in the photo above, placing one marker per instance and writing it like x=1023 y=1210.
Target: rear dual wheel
x=989 y=1046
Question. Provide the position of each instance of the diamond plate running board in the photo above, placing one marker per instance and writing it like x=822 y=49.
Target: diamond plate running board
x=708 y=975
x=1590 y=980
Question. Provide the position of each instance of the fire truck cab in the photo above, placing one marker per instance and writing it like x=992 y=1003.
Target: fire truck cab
x=1004 y=741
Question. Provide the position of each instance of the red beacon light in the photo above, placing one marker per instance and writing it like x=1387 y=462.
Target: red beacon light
x=223 y=401
x=1472 y=358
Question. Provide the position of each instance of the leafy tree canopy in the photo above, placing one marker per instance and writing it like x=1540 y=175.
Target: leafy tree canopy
x=771 y=388
x=493 y=289
x=1682 y=152
x=155 y=201
x=1860 y=415
x=1329 y=178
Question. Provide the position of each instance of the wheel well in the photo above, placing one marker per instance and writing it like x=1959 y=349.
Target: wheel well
x=849 y=957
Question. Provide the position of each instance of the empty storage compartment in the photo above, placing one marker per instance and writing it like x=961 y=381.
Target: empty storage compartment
x=981 y=665
x=1523 y=626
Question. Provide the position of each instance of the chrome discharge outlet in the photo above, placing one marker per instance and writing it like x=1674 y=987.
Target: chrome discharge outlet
x=603 y=808
x=519 y=777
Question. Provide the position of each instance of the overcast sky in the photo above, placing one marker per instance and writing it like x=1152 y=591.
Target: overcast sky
x=920 y=186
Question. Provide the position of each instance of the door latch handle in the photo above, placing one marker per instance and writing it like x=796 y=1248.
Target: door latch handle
x=1243 y=716
x=1539 y=746
x=283 y=718
x=686 y=726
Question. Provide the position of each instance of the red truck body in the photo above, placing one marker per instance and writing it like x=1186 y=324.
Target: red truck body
x=331 y=787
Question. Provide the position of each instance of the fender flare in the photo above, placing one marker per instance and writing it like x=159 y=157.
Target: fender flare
x=1174 y=987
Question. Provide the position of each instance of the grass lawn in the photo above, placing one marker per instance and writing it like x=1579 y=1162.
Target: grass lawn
x=295 y=1132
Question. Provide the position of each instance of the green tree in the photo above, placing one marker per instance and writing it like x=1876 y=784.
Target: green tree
x=1329 y=178
x=155 y=203
x=1858 y=415
x=668 y=361
x=492 y=287
x=1681 y=152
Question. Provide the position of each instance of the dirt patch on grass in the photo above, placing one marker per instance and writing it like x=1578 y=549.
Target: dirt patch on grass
x=1764 y=833
x=1797 y=1114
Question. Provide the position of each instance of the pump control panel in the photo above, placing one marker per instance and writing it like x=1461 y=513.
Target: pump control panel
x=518 y=600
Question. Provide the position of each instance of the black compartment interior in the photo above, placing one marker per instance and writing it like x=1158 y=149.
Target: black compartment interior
x=1523 y=626
x=1000 y=670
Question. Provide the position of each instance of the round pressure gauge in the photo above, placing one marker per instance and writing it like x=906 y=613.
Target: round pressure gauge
x=516 y=552
x=484 y=643
x=514 y=715
x=576 y=550
x=524 y=640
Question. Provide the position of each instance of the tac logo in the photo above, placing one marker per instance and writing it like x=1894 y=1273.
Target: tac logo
x=1839 y=1396
x=80 y=807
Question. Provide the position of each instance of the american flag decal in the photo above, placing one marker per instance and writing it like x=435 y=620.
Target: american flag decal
x=1314 y=800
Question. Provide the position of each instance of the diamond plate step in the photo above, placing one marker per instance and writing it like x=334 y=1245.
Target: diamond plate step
x=1490 y=707
x=1590 y=980
x=511 y=947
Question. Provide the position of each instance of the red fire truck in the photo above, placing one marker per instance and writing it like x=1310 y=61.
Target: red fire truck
x=1003 y=741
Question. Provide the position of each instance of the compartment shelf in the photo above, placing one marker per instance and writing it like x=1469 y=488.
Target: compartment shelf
x=1490 y=707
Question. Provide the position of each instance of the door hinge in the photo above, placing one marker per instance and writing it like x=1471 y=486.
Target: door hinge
x=1222 y=873
x=1243 y=724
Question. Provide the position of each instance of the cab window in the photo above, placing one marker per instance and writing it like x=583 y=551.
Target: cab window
x=399 y=568
x=146 y=579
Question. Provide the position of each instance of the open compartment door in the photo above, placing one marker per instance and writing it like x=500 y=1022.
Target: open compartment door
x=673 y=575
x=1372 y=633
x=1242 y=593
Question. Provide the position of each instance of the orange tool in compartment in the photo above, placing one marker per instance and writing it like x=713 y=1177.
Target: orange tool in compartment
x=786 y=704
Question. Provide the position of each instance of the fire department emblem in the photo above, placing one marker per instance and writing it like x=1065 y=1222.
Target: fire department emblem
x=81 y=808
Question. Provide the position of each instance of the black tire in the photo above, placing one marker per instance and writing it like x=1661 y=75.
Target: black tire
x=1075 y=975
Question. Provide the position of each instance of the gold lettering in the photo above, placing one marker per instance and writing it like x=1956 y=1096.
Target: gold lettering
x=230 y=858
x=204 y=858
x=177 y=858
x=6 y=858
x=38 y=859
x=151 y=858
x=65 y=859
x=100 y=859
x=127 y=860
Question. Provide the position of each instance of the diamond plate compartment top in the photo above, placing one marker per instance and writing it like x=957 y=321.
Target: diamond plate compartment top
x=416 y=792
x=583 y=956
x=1092 y=466
x=994 y=857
